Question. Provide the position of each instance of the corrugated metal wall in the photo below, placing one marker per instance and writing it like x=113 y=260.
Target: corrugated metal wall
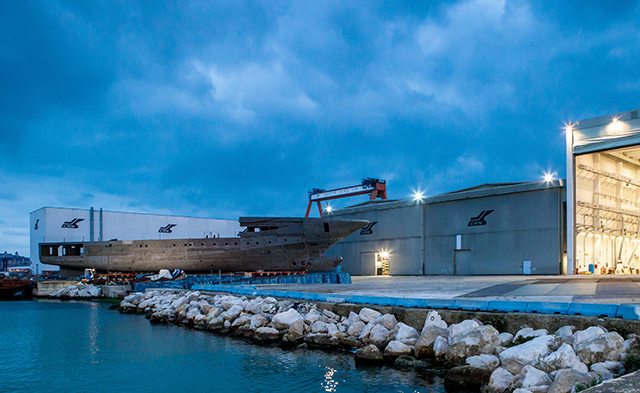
x=522 y=227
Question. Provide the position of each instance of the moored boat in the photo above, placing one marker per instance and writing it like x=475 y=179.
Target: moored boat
x=13 y=288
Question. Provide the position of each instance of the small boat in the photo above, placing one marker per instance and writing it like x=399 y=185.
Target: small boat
x=13 y=288
x=267 y=243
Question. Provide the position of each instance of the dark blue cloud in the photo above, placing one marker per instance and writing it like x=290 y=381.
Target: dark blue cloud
x=233 y=108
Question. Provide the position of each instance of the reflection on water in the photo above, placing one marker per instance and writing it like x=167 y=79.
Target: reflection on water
x=57 y=346
x=329 y=384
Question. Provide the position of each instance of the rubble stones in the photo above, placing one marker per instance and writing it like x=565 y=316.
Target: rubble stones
x=87 y=291
x=565 y=355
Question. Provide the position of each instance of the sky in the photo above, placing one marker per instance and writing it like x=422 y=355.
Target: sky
x=228 y=108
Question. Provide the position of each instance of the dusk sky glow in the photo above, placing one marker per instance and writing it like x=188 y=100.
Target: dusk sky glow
x=227 y=109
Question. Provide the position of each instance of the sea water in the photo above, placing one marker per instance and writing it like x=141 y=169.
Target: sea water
x=56 y=346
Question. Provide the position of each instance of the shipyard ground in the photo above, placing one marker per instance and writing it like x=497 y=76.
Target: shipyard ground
x=563 y=289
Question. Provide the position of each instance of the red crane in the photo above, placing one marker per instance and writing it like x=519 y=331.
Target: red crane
x=375 y=187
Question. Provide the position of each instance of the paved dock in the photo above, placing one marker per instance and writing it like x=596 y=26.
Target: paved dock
x=565 y=289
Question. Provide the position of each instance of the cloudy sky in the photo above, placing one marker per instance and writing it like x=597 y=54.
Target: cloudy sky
x=223 y=109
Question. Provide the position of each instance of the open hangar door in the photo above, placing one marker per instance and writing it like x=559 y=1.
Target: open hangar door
x=605 y=162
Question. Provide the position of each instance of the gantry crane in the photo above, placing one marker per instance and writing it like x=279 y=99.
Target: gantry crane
x=375 y=187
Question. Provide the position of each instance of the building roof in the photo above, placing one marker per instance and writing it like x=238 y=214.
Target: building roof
x=479 y=191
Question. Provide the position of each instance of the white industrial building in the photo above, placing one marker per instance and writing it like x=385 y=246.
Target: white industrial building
x=603 y=194
x=53 y=224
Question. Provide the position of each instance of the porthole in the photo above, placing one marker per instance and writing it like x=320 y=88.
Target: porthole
x=203 y=244
x=285 y=240
x=146 y=245
x=236 y=243
x=269 y=241
x=141 y=246
x=174 y=245
x=294 y=263
x=303 y=263
x=248 y=243
x=215 y=244
x=185 y=244
x=257 y=243
x=226 y=244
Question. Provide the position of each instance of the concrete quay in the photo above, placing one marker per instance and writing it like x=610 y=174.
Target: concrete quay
x=559 y=289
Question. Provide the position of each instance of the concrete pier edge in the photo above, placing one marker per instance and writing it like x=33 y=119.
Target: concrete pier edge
x=629 y=312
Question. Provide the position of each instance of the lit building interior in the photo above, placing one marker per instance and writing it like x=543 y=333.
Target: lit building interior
x=606 y=195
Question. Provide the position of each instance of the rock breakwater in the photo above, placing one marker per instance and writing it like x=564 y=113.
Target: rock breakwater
x=476 y=354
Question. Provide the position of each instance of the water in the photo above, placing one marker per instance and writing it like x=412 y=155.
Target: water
x=53 y=346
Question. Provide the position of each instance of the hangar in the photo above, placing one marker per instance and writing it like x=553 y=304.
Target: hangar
x=603 y=201
x=53 y=224
x=506 y=228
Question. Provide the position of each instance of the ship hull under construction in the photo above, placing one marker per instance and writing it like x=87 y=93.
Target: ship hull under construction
x=267 y=244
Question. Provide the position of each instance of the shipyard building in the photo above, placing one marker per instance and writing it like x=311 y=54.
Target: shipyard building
x=509 y=228
x=52 y=224
x=603 y=183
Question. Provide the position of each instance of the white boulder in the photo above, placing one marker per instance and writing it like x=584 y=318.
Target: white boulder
x=405 y=333
x=600 y=348
x=433 y=318
x=258 y=321
x=475 y=341
x=379 y=336
x=505 y=339
x=501 y=381
x=515 y=358
x=367 y=314
x=583 y=335
x=461 y=327
x=564 y=357
x=285 y=319
x=389 y=321
x=440 y=347
x=312 y=316
x=232 y=313
x=529 y=332
x=531 y=376
x=396 y=349
x=356 y=329
x=319 y=327
x=483 y=361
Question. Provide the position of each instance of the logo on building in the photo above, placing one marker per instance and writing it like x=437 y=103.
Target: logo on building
x=35 y=228
x=166 y=229
x=73 y=224
x=368 y=229
x=480 y=220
